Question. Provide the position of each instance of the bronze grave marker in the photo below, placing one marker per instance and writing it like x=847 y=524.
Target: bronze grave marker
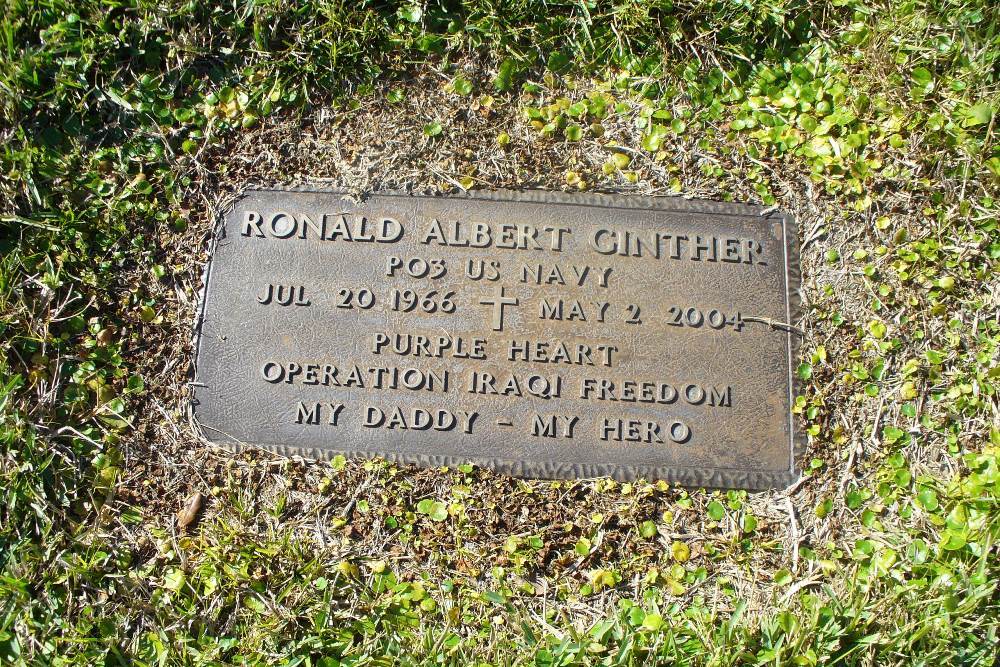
x=541 y=334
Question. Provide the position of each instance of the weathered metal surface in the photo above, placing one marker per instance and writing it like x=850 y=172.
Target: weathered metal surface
x=541 y=334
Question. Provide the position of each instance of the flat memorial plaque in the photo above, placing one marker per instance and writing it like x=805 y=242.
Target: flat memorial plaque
x=540 y=334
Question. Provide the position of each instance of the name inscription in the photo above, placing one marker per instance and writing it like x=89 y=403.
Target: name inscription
x=542 y=334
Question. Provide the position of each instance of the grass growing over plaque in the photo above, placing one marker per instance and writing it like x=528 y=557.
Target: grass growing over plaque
x=124 y=540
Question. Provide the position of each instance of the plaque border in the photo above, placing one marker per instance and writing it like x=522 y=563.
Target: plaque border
x=691 y=477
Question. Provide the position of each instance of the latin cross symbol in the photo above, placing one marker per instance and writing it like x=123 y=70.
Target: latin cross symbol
x=498 y=301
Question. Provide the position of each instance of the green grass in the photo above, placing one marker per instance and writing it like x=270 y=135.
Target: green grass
x=885 y=112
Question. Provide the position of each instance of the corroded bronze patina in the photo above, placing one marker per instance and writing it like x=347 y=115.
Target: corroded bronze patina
x=541 y=334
